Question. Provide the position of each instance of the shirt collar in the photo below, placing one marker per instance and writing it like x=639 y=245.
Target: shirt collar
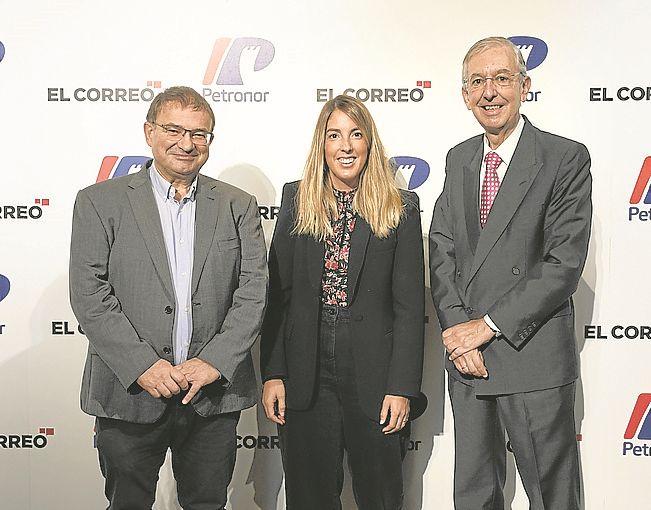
x=165 y=189
x=506 y=150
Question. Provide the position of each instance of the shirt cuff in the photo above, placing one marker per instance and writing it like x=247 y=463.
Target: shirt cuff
x=492 y=325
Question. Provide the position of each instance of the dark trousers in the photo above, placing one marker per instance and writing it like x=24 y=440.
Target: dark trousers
x=203 y=457
x=313 y=441
x=540 y=426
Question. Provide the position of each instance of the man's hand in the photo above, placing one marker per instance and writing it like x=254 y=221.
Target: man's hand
x=162 y=380
x=471 y=363
x=398 y=408
x=466 y=336
x=274 y=391
x=198 y=373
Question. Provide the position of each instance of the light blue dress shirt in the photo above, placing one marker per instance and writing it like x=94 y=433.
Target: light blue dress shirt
x=177 y=219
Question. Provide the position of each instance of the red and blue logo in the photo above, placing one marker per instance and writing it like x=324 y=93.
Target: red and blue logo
x=642 y=187
x=114 y=166
x=414 y=171
x=639 y=424
x=641 y=194
x=534 y=50
x=233 y=57
x=640 y=420
x=5 y=285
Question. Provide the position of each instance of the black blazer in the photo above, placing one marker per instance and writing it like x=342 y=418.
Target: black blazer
x=386 y=296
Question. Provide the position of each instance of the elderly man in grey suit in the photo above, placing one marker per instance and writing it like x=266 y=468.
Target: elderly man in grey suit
x=508 y=242
x=168 y=280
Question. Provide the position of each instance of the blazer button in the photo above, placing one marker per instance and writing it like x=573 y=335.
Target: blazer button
x=470 y=310
x=168 y=309
x=167 y=350
x=359 y=317
x=458 y=274
x=515 y=270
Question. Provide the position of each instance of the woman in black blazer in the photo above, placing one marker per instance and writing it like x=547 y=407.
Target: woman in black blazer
x=342 y=342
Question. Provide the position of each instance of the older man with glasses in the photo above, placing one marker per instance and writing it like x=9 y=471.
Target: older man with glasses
x=508 y=242
x=168 y=280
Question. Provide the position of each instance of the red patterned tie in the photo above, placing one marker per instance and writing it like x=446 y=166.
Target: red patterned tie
x=490 y=187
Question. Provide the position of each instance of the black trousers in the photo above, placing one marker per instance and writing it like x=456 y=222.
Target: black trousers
x=312 y=442
x=203 y=457
x=540 y=425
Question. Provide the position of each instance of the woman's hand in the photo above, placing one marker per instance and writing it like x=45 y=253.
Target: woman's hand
x=273 y=400
x=398 y=409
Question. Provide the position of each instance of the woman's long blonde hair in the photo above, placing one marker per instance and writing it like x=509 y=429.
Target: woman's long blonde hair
x=377 y=199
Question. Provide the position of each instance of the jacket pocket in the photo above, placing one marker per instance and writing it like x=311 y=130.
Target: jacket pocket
x=101 y=381
x=228 y=244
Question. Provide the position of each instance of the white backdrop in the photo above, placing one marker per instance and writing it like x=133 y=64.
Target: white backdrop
x=61 y=65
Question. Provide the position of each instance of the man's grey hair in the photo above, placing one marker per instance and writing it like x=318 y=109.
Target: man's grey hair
x=492 y=42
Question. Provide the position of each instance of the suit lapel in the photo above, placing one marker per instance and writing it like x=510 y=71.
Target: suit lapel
x=205 y=224
x=358 y=244
x=520 y=175
x=145 y=211
x=471 y=196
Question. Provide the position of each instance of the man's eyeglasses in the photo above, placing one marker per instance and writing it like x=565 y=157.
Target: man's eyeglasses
x=502 y=80
x=199 y=137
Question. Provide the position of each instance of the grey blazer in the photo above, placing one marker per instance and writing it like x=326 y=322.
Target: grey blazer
x=121 y=293
x=523 y=266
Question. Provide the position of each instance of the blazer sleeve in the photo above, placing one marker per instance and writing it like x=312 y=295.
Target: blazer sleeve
x=408 y=294
x=450 y=309
x=281 y=256
x=550 y=282
x=93 y=301
x=228 y=348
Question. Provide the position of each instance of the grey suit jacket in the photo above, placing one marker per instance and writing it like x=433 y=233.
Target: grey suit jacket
x=523 y=266
x=121 y=292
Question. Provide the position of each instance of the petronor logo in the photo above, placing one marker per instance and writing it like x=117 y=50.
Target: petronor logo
x=114 y=166
x=415 y=171
x=4 y=286
x=640 y=420
x=642 y=184
x=534 y=50
x=233 y=57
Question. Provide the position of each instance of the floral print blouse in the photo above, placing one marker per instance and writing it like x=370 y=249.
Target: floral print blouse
x=334 y=283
